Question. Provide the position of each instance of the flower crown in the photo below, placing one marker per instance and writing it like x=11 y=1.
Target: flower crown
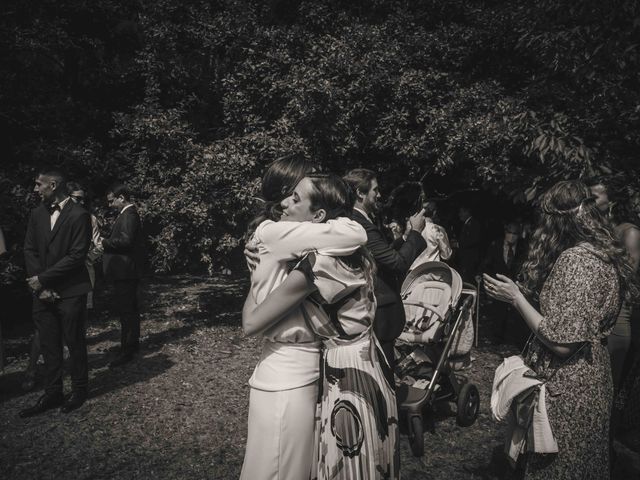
x=569 y=211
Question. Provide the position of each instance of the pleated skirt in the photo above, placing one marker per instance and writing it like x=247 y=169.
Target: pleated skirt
x=357 y=425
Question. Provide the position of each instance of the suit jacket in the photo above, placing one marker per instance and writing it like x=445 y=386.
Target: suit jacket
x=393 y=262
x=124 y=249
x=469 y=246
x=493 y=261
x=58 y=256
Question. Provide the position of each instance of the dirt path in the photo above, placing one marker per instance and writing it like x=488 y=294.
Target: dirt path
x=179 y=410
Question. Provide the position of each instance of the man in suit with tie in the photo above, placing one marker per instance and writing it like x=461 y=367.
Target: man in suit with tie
x=469 y=244
x=392 y=260
x=122 y=262
x=505 y=256
x=56 y=245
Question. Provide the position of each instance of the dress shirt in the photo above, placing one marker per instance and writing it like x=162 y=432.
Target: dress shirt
x=56 y=211
x=505 y=253
x=125 y=207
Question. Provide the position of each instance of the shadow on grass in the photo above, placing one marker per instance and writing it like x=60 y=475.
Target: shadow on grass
x=497 y=468
x=139 y=370
x=194 y=302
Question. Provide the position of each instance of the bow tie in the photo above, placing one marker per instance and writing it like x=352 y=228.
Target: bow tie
x=52 y=208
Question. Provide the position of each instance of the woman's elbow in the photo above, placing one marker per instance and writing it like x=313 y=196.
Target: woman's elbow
x=249 y=329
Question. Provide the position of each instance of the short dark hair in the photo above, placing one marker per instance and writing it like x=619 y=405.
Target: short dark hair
x=594 y=180
x=56 y=174
x=119 y=189
x=430 y=208
x=360 y=179
x=74 y=187
x=513 y=227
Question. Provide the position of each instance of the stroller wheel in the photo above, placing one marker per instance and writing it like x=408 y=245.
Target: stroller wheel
x=416 y=436
x=468 y=405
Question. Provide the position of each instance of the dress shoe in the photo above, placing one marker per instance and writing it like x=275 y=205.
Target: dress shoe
x=44 y=403
x=121 y=360
x=74 y=401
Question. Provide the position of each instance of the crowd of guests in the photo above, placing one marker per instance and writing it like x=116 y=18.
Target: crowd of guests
x=325 y=296
x=62 y=246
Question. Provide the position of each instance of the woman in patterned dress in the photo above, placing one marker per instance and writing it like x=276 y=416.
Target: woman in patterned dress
x=357 y=429
x=578 y=272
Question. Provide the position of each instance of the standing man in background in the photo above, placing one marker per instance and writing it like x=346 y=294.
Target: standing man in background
x=469 y=244
x=505 y=256
x=393 y=263
x=55 y=249
x=122 y=262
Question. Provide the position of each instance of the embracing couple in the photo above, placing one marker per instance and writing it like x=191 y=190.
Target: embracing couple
x=322 y=403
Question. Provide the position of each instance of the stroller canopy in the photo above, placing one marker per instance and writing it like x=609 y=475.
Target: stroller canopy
x=437 y=272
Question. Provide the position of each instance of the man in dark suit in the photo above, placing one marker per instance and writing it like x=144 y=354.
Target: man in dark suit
x=55 y=248
x=469 y=245
x=393 y=260
x=505 y=256
x=122 y=262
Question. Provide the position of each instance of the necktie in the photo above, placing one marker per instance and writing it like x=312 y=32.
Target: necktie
x=510 y=255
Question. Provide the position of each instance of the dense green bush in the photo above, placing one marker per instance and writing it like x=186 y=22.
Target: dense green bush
x=189 y=101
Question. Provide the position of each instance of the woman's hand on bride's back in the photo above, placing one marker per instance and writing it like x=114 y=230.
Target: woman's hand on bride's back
x=251 y=254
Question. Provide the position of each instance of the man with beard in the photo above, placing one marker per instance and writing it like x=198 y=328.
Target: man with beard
x=55 y=248
x=393 y=261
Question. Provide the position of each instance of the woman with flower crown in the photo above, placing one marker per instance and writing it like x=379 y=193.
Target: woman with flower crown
x=579 y=274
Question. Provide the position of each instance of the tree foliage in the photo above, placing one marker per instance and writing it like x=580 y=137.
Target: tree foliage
x=189 y=101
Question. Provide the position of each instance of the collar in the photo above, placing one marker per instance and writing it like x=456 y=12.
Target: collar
x=60 y=205
x=127 y=206
x=363 y=213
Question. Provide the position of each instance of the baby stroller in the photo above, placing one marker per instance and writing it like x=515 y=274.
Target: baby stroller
x=436 y=328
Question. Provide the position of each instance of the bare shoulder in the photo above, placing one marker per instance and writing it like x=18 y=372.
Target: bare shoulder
x=631 y=233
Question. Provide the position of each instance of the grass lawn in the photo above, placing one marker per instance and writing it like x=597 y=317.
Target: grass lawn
x=179 y=410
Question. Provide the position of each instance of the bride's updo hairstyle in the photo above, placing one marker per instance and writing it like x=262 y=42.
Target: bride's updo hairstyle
x=569 y=216
x=332 y=194
x=279 y=180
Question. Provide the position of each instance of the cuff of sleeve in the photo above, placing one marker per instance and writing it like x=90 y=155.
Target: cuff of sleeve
x=552 y=334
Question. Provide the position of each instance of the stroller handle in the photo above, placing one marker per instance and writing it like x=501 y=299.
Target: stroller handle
x=468 y=301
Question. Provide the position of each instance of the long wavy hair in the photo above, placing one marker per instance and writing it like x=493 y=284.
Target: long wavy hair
x=568 y=217
x=617 y=189
x=334 y=195
x=278 y=182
